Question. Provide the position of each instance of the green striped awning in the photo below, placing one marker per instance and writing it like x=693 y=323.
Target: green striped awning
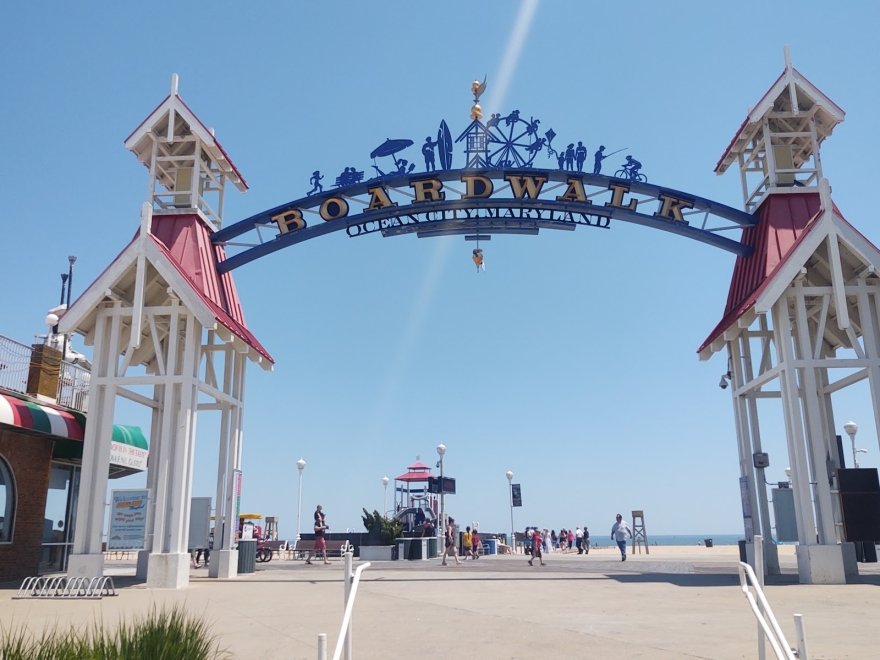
x=130 y=435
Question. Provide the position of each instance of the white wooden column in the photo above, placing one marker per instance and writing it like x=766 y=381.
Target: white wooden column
x=869 y=315
x=788 y=385
x=812 y=411
x=743 y=440
x=817 y=563
x=741 y=353
x=224 y=566
x=87 y=559
x=152 y=480
x=168 y=563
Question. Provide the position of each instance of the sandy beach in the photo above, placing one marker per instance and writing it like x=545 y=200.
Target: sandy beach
x=674 y=602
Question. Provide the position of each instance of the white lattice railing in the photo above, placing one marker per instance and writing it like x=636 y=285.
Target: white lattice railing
x=15 y=363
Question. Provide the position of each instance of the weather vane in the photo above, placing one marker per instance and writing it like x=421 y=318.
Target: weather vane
x=477 y=88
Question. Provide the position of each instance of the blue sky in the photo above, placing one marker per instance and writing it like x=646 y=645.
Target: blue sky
x=571 y=360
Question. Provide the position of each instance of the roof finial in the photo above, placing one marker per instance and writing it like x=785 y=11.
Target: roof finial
x=477 y=88
x=792 y=92
x=175 y=80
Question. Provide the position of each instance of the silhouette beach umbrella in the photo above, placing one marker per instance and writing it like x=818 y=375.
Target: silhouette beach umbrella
x=390 y=147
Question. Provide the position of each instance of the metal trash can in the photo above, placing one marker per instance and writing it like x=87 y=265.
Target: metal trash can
x=247 y=556
x=491 y=546
x=709 y=543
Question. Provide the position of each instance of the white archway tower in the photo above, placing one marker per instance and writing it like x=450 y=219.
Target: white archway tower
x=168 y=332
x=801 y=308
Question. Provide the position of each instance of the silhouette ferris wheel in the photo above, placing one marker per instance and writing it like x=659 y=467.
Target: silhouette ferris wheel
x=512 y=141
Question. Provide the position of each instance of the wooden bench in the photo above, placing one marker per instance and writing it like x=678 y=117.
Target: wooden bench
x=305 y=549
x=277 y=547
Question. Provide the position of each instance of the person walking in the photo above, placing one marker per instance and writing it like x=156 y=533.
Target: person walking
x=619 y=531
x=476 y=544
x=537 y=544
x=449 y=542
x=467 y=542
x=320 y=538
x=579 y=539
x=586 y=542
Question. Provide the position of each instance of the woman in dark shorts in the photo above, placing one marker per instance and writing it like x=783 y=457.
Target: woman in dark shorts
x=449 y=541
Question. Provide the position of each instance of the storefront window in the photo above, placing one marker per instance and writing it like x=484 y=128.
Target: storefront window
x=7 y=502
x=58 y=519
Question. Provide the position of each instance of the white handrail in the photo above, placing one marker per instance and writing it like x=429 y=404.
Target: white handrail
x=346 y=618
x=764 y=614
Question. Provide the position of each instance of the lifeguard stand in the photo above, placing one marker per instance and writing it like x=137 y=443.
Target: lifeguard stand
x=411 y=492
x=640 y=534
x=271 y=531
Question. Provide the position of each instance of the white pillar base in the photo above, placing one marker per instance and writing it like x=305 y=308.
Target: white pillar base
x=168 y=571
x=821 y=564
x=224 y=564
x=771 y=558
x=86 y=565
x=850 y=561
x=143 y=558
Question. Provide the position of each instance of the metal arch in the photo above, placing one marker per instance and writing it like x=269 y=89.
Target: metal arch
x=462 y=224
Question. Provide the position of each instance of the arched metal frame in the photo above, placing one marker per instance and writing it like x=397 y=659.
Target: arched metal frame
x=438 y=204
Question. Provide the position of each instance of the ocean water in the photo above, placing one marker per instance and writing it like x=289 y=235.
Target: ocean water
x=693 y=539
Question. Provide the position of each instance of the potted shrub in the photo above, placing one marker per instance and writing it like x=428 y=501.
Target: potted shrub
x=381 y=534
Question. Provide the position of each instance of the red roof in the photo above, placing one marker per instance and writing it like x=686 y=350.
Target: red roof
x=186 y=240
x=414 y=476
x=783 y=222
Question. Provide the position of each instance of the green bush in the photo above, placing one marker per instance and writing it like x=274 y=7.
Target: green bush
x=164 y=635
x=386 y=529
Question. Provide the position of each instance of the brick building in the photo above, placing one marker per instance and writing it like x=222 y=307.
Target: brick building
x=43 y=404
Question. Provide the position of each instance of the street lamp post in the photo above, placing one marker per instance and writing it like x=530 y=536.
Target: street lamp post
x=70 y=260
x=441 y=451
x=300 y=466
x=385 y=481
x=509 y=475
x=851 y=429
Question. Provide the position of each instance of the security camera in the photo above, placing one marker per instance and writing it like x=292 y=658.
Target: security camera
x=723 y=383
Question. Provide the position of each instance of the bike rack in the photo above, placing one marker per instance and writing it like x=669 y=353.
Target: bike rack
x=66 y=587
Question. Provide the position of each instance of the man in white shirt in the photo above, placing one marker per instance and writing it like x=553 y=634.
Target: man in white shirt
x=619 y=533
x=579 y=539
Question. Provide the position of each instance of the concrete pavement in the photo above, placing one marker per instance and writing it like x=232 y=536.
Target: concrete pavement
x=673 y=603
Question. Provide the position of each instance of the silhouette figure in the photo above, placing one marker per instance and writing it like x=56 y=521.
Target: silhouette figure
x=428 y=153
x=599 y=157
x=580 y=155
x=534 y=149
x=632 y=166
x=569 y=157
x=402 y=166
x=315 y=180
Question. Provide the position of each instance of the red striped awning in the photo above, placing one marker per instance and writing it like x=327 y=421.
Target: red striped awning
x=41 y=417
